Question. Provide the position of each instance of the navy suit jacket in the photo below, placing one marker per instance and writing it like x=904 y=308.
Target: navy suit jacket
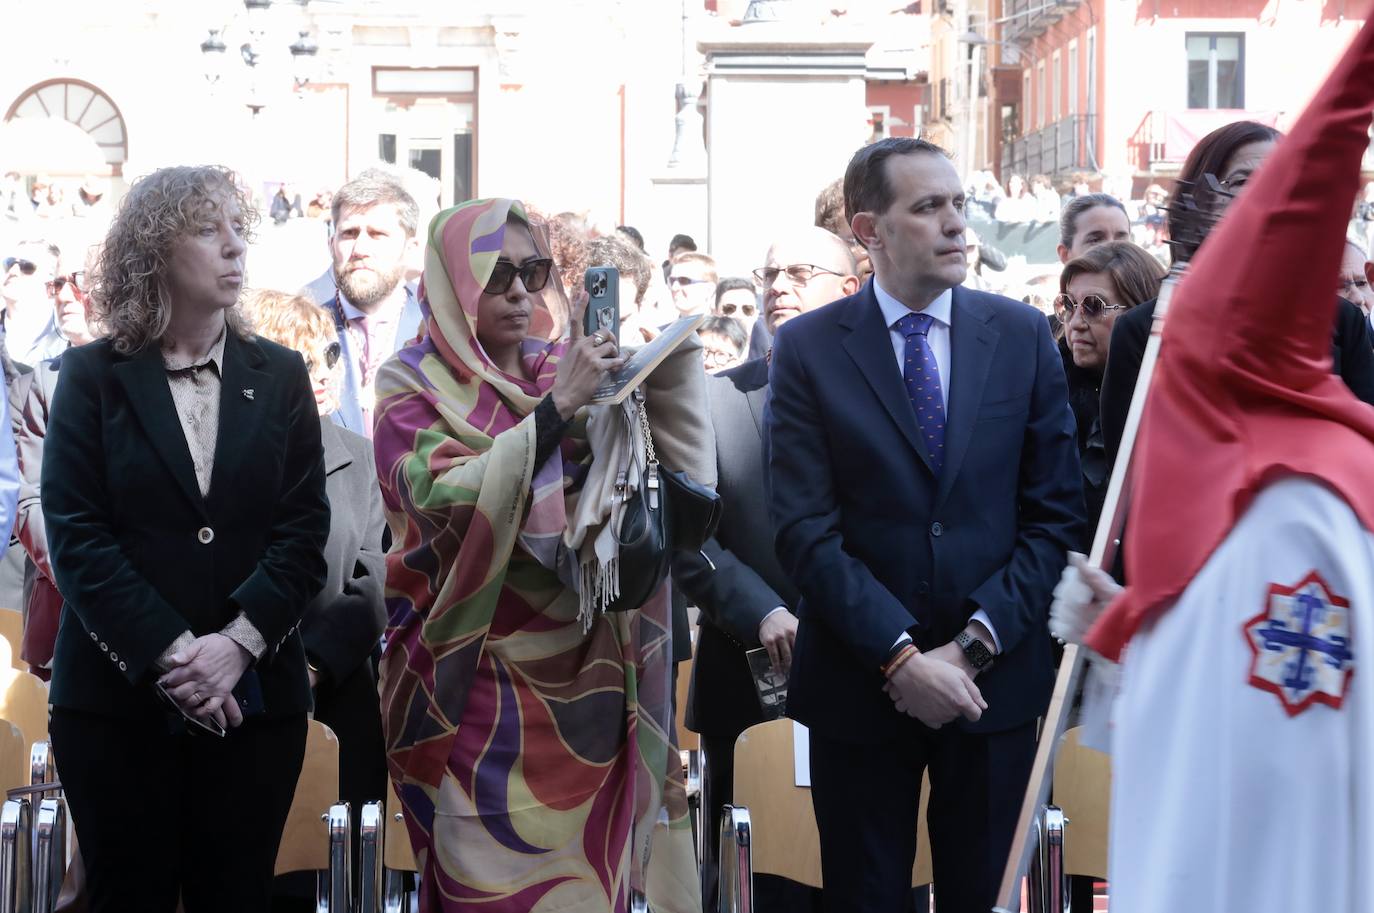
x=877 y=545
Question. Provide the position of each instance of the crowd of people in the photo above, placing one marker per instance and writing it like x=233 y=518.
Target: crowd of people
x=391 y=498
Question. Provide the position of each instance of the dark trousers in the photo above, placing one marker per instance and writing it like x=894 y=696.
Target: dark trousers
x=867 y=798
x=159 y=815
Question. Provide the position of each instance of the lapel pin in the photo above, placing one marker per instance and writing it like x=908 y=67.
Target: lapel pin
x=248 y=394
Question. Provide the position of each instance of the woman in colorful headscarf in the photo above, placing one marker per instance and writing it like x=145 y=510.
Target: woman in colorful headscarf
x=528 y=739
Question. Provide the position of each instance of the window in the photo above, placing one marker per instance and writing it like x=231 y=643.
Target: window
x=1026 y=119
x=1040 y=93
x=84 y=105
x=1216 y=70
x=1056 y=88
x=1092 y=71
x=1073 y=78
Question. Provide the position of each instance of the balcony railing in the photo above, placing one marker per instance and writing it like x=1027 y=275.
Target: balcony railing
x=1164 y=138
x=1064 y=146
x=1027 y=19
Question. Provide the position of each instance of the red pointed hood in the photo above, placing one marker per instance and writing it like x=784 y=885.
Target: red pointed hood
x=1243 y=393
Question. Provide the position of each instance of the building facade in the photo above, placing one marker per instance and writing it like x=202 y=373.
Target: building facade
x=1121 y=90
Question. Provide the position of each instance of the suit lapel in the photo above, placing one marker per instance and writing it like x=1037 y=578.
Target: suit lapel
x=972 y=340
x=144 y=379
x=870 y=345
x=244 y=394
x=409 y=325
x=336 y=455
x=754 y=383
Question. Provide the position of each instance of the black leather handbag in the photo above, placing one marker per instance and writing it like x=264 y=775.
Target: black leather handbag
x=668 y=511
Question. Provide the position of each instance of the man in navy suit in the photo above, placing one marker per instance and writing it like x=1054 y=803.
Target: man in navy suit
x=924 y=486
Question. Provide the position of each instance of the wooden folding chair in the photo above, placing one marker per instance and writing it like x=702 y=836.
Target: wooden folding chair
x=16 y=833
x=24 y=702
x=693 y=759
x=1083 y=790
x=12 y=635
x=771 y=828
x=316 y=837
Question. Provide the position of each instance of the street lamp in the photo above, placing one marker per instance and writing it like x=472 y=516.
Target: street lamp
x=213 y=50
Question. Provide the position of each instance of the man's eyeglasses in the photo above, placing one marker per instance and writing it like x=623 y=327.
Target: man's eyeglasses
x=27 y=267
x=797 y=273
x=331 y=357
x=533 y=273
x=77 y=279
x=729 y=309
x=1094 y=306
x=1354 y=284
x=684 y=281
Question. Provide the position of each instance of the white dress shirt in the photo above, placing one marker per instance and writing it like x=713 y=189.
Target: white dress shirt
x=940 y=310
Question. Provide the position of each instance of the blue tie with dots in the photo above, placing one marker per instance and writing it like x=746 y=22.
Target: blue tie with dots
x=922 y=379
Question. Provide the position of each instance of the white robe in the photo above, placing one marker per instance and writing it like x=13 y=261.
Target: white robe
x=1222 y=800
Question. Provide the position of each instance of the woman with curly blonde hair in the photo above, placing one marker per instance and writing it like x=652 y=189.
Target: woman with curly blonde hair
x=184 y=491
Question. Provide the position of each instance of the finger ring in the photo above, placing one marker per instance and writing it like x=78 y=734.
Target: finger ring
x=195 y=696
x=599 y=338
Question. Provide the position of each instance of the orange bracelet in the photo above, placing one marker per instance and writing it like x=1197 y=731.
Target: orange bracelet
x=895 y=663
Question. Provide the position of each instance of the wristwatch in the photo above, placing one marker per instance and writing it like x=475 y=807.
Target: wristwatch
x=978 y=654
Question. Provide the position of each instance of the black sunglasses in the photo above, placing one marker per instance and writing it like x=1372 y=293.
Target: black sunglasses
x=77 y=279
x=27 y=267
x=331 y=357
x=534 y=274
x=1093 y=306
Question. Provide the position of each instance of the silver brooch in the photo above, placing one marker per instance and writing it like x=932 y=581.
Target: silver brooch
x=248 y=394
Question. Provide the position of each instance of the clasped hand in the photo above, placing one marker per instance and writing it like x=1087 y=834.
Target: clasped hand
x=934 y=689
x=203 y=676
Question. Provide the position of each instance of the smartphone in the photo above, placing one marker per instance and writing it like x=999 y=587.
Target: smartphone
x=603 y=301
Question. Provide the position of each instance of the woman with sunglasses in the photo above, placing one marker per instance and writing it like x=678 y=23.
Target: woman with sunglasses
x=528 y=733
x=343 y=624
x=1096 y=288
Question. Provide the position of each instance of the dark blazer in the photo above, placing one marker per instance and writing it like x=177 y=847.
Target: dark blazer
x=877 y=546
x=141 y=556
x=735 y=580
x=344 y=623
x=1352 y=357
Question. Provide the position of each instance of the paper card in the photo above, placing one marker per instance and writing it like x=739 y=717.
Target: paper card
x=801 y=755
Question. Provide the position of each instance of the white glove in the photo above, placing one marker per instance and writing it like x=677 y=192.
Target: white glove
x=1082 y=594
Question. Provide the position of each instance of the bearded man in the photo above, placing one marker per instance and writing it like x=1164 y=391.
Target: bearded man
x=374 y=310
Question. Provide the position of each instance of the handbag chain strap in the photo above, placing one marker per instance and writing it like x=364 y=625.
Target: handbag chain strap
x=651 y=470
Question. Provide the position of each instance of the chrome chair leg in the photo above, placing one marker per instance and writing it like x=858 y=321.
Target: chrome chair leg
x=736 y=861
x=16 y=874
x=1056 y=882
x=372 y=830
x=1035 y=870
x=333 y=887
x=50 y=860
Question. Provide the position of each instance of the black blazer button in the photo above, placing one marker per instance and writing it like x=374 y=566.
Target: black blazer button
x=937 y=529
x=205 y=535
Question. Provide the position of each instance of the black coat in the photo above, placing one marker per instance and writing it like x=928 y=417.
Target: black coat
x=735 y=579
x=1352 y=358
x=140 y=556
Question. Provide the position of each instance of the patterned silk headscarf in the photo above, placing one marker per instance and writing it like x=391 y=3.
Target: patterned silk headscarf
x=475 y=525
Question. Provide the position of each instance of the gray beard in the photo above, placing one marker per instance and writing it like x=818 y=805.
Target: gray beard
x=365 y=289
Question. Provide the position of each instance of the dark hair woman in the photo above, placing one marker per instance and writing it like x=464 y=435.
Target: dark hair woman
x=1095 y=290
x=1231 y=154
x=184 y=491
